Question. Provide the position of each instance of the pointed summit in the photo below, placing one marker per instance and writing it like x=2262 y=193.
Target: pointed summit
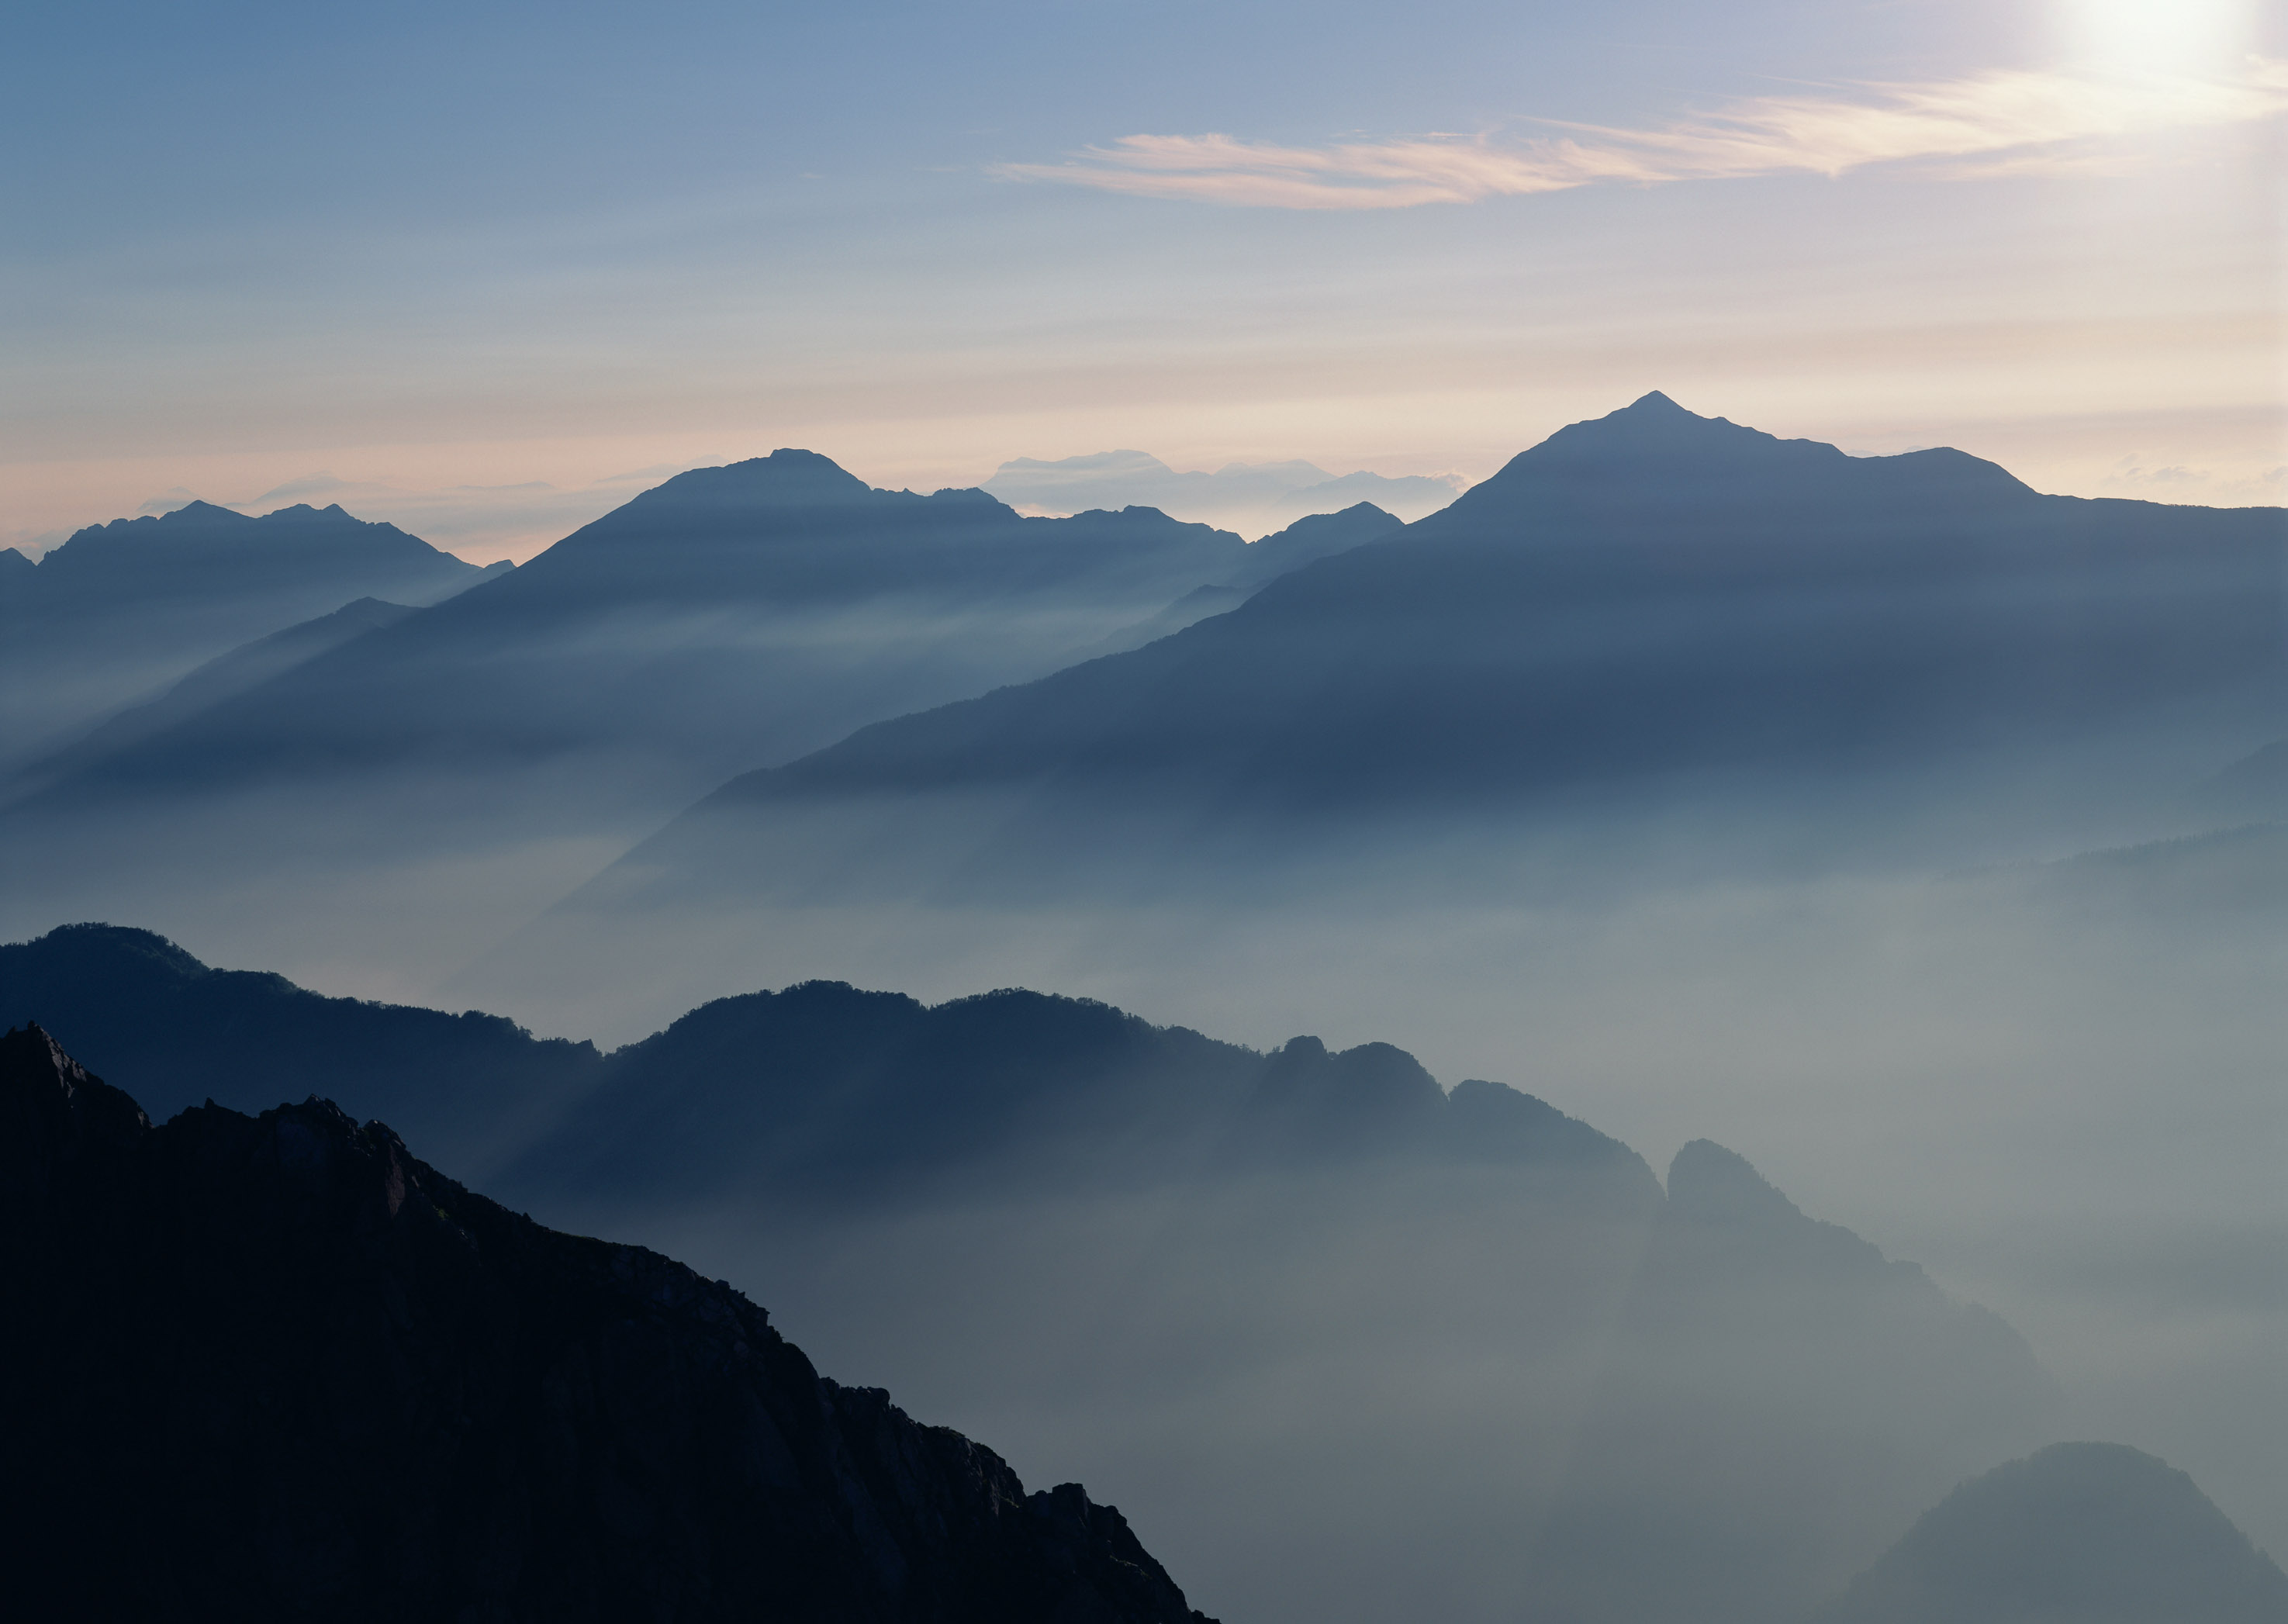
x=1708 y=1184
x=1656 y=402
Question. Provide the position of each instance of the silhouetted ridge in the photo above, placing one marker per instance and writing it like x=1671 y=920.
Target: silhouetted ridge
x=1649 y=598
x=2077 y=1533
x=286 y=1371
x=1654 y=452
x=1710 y=1184
x=139 y=1007
x=121 y=610
x=821 y=1094
x=786 y=478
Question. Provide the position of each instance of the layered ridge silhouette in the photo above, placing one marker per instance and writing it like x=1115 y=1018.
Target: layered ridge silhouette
x=285 y=1370
x=1340 y=1336
x=120 y=610
x=1638 y=608
x=728 y=615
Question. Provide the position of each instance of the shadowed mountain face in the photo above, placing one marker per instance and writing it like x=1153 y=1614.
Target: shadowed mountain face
x=286 y=1371
x=122 y=608
x=1350 y=1344
x=2077 y=1534
x=1639 y=603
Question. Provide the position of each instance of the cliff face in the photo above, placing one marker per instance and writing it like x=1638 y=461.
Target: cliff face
x=276 y=1368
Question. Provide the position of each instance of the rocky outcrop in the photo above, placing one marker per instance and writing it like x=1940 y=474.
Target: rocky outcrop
x=277 y=1367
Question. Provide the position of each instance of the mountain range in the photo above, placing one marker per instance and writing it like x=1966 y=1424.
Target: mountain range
x=119 y=611
x=1251 y=498
x=1649 y=608
x=728 y=616
x=1245 y=1275
x=2095 y=1534
x=276 y=1367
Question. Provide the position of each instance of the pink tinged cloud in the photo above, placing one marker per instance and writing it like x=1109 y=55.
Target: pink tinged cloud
x=2031 y=116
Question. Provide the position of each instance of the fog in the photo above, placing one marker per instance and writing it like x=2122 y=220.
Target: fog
x=2060 y=1095
x=1942 y=881
x=2063 y=1098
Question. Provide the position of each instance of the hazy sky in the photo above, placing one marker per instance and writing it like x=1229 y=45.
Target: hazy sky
x=421 y=247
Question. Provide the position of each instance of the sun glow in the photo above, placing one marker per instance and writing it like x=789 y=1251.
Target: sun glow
x=2159 y=35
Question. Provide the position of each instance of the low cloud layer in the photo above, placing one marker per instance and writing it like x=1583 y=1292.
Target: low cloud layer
x=2006 y=121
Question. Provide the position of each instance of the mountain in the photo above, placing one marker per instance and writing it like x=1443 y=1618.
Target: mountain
x=119 y=610
x=1304 y=542
x=218 y=679
x=1253 y=498
x=730 y=615
x=1348 y=1340
x=1643 y=610
x=819 y=1095
x=473 y=763
x=138 y=1006
x=2075 y=1534
x=2254 y=787
x=1712 y=1482
x=285 y=1371
x=822 y=1097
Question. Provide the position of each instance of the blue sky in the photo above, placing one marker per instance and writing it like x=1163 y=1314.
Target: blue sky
x=418 y=248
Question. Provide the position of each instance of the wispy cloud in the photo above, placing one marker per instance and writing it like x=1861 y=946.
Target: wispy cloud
x=2018 y=122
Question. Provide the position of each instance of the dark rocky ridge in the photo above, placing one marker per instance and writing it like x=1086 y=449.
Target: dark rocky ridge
x=283 y=1369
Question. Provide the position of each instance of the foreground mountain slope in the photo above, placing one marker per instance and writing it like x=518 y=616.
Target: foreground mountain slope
x=2075 y=1534
x=288 y=1371
x=1346 y=1340
x=1641 y=603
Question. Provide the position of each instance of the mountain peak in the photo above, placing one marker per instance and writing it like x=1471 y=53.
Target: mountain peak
x=1708 y=1184
x=788 y=477
x=1655 y=401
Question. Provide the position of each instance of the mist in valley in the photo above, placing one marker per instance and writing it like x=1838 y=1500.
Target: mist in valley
x=1814 y=899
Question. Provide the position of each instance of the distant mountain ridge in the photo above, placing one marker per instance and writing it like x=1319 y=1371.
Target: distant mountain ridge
x=1640 y=600
x=1685 y=1509
x=288 y=1371
x=1253 y=498
x=2075 y=1534
x=1195 y=1218
x=728 y=615
x=123 y=608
